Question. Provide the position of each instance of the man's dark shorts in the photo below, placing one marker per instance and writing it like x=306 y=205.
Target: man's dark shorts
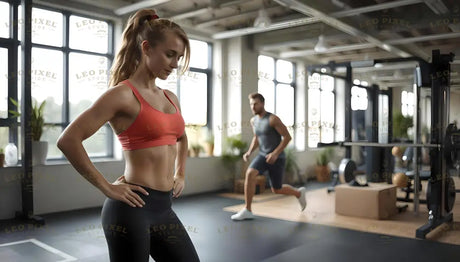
x=275 y=171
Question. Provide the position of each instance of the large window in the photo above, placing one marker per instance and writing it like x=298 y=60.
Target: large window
x=8 y=130
x=321 y=109
x=276 y=84
x=71 y=56
x=407 y=103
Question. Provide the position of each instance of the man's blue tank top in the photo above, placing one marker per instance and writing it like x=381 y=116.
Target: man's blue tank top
x=268 y=137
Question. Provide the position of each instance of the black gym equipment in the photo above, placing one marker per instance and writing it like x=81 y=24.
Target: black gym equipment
x=441 y=188
x=345 y=173
x=444 y=143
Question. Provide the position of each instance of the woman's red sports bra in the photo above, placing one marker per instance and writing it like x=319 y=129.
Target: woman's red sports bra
x=151 y=127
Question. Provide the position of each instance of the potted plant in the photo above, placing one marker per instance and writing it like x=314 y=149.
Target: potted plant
x=195 y=149
x=291 y=167
x=234 y=148
x=401 y=124
x=209 y=144
x=322 y=160
x=37 y=124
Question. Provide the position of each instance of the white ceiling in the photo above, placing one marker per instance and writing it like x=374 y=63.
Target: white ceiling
x=353 y=29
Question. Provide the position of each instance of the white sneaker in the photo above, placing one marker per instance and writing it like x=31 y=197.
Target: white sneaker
x=302 y=199
x=242 y=215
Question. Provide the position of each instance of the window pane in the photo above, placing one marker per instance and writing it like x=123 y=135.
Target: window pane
x=47 y=80
x=314 y=103
x=51 y=134
x=4 y=135
x=199 y=54
x=314 y=81
x=339 y=110
x=267 y=89
x=383 y=118
x=313 y=137
x=359 y=99
x=46 y=27
x=193 y=98
x=4 y=20
x=327 y=83
x=266 y=67
x=410 y=98
x=327 y=117
x=284 y=71
x=285 y=104
x=404 y=97
x=170 y=83
x=96 y=145
x=88 y=77
x=3 y=83
x=88 y=34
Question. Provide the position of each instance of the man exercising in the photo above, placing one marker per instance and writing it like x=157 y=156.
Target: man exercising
x=271 y=136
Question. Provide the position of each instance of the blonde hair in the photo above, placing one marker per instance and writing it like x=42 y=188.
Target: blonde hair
x=144 y=25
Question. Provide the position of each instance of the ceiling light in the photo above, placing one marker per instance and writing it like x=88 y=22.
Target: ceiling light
x=398 y=74
x=321 y=46
x=262 y=20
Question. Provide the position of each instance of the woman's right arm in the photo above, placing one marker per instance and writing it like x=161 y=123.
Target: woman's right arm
x=85 y=125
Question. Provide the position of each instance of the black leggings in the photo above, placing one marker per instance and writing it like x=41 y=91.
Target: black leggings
x=134 y=233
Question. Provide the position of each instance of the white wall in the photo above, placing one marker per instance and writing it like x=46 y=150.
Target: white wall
x=58 y=187
x=10 y=191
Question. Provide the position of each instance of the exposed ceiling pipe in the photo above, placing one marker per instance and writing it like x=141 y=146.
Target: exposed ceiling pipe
x=299 y=53
x=139 y=5
x=215 y=21
x=423 y=38
x=437 y=6
x=273 y=26
x=191 y=13
x=352 y=12
x=331 y=21
x=373 y=8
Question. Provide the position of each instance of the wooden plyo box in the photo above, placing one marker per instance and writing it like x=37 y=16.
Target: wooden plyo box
x=377 y=201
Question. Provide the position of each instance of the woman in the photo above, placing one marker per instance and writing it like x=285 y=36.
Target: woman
x=137 y=217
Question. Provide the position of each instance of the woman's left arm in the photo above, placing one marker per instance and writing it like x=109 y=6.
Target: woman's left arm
x=179 y=176
x=182 y=152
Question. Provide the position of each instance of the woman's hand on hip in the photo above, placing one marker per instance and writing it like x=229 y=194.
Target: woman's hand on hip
x=179 y=184
x=125 y=193
x=120 y=180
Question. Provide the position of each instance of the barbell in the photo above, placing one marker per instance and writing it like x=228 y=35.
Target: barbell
x=450 y=145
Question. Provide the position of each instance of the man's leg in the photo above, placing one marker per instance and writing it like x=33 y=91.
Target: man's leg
x=276 y=177
x=250 y=186
x=287 y=190
x=257 y=166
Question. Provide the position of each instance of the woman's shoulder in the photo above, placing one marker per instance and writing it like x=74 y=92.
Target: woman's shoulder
x=119 y=95
x=121 y=90
x=171 y=95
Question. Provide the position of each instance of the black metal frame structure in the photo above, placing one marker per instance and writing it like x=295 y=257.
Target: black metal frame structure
x=440 y=95
x=434 y=75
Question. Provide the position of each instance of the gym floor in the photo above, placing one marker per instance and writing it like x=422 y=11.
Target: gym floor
x=78 y=236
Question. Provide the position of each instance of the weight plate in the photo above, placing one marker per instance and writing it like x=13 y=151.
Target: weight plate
x=450 y=194
x=347 y=168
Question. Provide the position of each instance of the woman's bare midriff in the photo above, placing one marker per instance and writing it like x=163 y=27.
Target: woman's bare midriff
x=151 y=167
